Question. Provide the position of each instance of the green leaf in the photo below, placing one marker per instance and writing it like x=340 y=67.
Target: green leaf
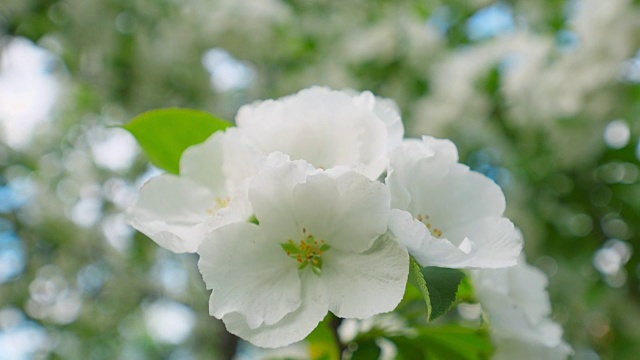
x=323 y=344
x=444 y=343
x=442 y=284
x=165 y=133
x=408 y=349
x=416 y=278
x=457 y=342
x=466 y=292
x=366 y=350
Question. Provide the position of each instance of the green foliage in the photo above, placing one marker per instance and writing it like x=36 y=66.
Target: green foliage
x=443 y=286
x=439 y=343
x=366 y=350
x=323 y=344
x=447 y=342
x=438 y=287
x=165 y=133
x=417 y=279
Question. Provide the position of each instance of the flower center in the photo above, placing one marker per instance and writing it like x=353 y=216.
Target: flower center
x=307 y=251
x=219 y=203
x=434 y=230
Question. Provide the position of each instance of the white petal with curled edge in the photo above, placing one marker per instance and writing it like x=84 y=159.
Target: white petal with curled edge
x=424 y=179
x=442 y=147
x=322 y=126
x=360 y=285
x=409 y=170
x=172 y=211
x=389 y=112
x=497 y=242
x=270 y=194
x=249 y=275
x=400 y=195
x=349 y=211
x=294 y=327
x=316 y=124
x=203 y=163
x=426 y=249
x=449 y=193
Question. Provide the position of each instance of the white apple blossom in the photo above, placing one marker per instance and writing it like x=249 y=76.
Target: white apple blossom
x=177 y=211
x=326 y=128
x=321 y=245
x=446 y=214
x=517 y=306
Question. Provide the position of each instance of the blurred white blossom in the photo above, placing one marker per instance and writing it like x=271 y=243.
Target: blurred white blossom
x=518 y=309
x=29 y=90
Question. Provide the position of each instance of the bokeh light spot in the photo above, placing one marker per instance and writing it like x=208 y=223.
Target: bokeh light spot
x=617 y=134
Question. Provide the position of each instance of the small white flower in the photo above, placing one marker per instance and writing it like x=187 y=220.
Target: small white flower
x=326 y=128
x=176 y=211
x=517 y=305
x=444 y=213
x=320 y=246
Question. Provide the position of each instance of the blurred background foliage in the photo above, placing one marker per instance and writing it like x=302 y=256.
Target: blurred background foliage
x=541 y=96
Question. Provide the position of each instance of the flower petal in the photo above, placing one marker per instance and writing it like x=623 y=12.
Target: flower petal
x=517 y=305
x=314 y=205
x=360 y=285
x=466 y=196
x=487 y=243
x=294 y=327
x=322 y=126
x=497 y=242
x=509 y=321
x=389 y=112
x=241 y=162
x=249 y=275
x=270 y=194
x=225 y=163
x=172 y=212
x=426 y=249
x=408 y=169
x=203 y=163
x=442 y=147
x=449 y=193
x=349 y=211
x=524 y=284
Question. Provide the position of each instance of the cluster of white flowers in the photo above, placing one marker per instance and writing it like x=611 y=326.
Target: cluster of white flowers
x=542 y=82
x=292 y=215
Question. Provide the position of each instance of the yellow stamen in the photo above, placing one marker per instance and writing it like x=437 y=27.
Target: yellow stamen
x=306 y=251
x=219 y=203
x=425 y=220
